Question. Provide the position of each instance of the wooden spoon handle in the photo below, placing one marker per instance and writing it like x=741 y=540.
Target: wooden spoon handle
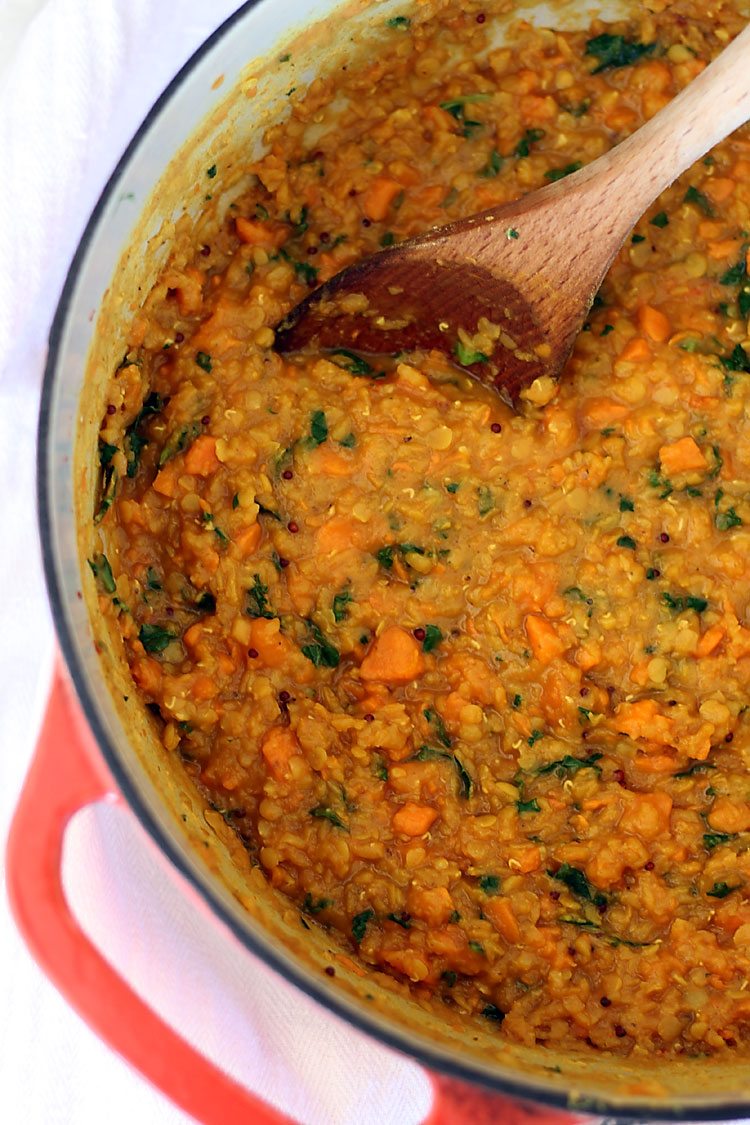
x=714 y=104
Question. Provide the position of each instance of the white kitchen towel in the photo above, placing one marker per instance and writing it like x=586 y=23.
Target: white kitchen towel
x=79 y=80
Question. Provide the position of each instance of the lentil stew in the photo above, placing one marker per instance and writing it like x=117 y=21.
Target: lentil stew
x=470 y=684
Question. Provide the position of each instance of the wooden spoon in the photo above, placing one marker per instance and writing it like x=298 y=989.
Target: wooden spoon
x=533 y=266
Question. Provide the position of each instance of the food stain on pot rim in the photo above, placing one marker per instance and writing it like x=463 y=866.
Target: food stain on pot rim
x=469 y=684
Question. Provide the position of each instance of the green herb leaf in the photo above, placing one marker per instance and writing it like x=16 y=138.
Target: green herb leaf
x=398 y=22
x=402 y=919
x=492 y=1012
x=322 y=653
x=615 y=51
x=627 y=541
x=322 y=812
x=493 y=165
x=211 y=172
x=341 y=602
x=359 y=924
x=738 y=360
x=433 y=637
x=485 y=500
x=692 y=195
x=102 y=572
x=660 y=220
x=385 y=557
x=457 y=106
x=477 y=947
x=712 y=840
x=737 y=273
x=727 y=520
x=721 y=890
x=490 y=884
x=528 y=806
x=697 y=767
x=530 y=137
x=179 y=442
x=203 y=359
x=318 y=428
x=106 y=452
x=311 y=907
x=635 y=240
x=437 y=722
x=555 y=174
x=154 y=638
x=679 y=603
x=626 y=504
x=577 y=882
x=258 y=595
x=354 y=364
x=570 y=765
x=467 y=356
x=535 y=736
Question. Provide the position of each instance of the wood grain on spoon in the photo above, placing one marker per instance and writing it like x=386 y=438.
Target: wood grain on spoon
x=531 y=267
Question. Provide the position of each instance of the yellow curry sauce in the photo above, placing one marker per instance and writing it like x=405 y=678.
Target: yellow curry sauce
x=470 y=683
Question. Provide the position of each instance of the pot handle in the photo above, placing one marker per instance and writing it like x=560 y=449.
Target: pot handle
x=66 y=774
x=457 y=1103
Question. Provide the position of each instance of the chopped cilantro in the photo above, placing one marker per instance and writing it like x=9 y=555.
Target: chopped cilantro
x=433 y=637
x=626 y=504
x=577 y=882
x=354 y=363
x=485 y=500
x=727 y=520
x=534 y=737
x=660 y=220
x=311 y=907
x=318 y=428
x=102 y=572
x=493 y=165
x=697 y=767
x=322 y=812
x=682 y=602
x=615 y=51
x=359 y=924
x=721 y=890
x=490 y=884
x=570 y=765
x=638 y=238
x=321 y=652
x=211 y=172
x=341 y=603
x=528 y=806
x=467 y=356
x=492 y=1012
x=154 y=638
x=627 y=541
x=258 y=595
x=712 y=840
x=437 y=721
x=692 y=195
x=555 y=174
x=530 y=137
x=203 y=359
x=398 y=22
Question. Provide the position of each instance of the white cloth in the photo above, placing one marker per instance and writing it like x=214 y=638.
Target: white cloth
x=79 y=76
